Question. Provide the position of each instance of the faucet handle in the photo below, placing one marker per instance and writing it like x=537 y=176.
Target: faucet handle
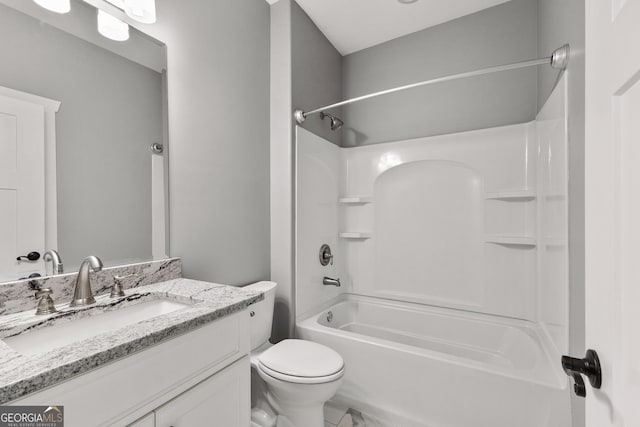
x=43 y=292
x=45 y=305
x=117 y=290
x=325 y=254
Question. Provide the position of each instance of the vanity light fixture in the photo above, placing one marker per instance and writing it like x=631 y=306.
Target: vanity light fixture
x=111 y=27
x=58 y=6
x=141 y=10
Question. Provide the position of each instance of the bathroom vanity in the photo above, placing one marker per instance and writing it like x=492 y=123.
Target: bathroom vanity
x=168 y=354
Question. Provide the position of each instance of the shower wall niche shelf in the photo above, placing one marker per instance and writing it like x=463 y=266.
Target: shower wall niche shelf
x=515 y=195
x=512 y=240
x=355 y=200
x=356 y=235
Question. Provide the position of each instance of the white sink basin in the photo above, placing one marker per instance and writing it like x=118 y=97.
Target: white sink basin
x=56 y=336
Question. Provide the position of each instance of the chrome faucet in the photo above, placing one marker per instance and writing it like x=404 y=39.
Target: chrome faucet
x=328 y=281
x=83 y=295
x=56 y=261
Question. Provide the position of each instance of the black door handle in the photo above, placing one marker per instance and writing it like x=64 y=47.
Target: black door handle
x=589 y=366
x=31 y=256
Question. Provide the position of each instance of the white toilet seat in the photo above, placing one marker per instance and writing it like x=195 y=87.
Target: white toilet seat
x=299 y=362
x=300 y=380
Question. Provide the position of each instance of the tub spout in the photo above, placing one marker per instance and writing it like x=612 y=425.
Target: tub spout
x=328 y=281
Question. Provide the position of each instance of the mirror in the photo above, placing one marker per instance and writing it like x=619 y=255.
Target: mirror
x=79 y=115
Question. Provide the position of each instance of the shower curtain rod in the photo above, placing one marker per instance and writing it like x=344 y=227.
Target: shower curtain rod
x=558 y=60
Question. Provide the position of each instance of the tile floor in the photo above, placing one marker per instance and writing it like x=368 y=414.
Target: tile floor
x=340 y=416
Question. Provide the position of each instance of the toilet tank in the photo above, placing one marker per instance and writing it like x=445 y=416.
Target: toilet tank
x=262 y=320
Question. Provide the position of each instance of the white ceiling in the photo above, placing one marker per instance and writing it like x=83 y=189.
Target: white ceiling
x=352 y=25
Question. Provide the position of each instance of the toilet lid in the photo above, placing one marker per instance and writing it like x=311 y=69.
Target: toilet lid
x=301 y=358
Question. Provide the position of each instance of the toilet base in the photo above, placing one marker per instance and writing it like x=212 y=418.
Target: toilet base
x=299 y=405
x=295 y=415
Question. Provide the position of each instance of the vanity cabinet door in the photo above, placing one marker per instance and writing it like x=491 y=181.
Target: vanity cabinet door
x=148 y=421
x=222 y=400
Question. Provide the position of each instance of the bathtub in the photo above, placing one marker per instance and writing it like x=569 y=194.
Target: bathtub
x=415 y=365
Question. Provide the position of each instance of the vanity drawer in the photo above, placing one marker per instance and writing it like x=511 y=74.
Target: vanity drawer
x=124 y=390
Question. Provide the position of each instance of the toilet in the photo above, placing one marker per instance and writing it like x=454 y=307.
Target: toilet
x=290 y=380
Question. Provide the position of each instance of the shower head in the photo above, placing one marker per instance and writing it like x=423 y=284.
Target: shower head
x=336 y=123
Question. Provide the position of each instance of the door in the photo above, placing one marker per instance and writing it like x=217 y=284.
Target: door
x=22 y=197
x=223 y=400
x=612 y=163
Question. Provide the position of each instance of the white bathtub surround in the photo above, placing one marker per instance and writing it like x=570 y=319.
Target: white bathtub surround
x=202 y=302
x=436 y=236
x=319 y=183
x=453 y=252
x=433 y=232
x=553 y=207
x=18 y=296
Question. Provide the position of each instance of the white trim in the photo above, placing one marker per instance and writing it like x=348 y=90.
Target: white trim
x=51 y=107
x=48 y=104
x=158 y=230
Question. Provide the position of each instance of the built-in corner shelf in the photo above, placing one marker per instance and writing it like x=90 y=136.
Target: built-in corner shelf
x=355 y=200
x=514 y=195
x=512 y=240
x=356 y=235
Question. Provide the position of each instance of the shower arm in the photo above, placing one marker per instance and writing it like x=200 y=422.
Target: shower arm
x=558 y=60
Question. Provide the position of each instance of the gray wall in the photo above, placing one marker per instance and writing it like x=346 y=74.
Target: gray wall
x=563 y=22
x=218 y=91
x=316 y=73
x=111 y=112
x=281 y=161
x=499 y=35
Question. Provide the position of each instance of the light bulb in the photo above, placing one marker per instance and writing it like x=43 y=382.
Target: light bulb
x=141 y=10
x=58 y=6
x=111 y=27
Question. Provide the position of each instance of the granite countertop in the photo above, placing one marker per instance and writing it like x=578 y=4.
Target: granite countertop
x=21 y=374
